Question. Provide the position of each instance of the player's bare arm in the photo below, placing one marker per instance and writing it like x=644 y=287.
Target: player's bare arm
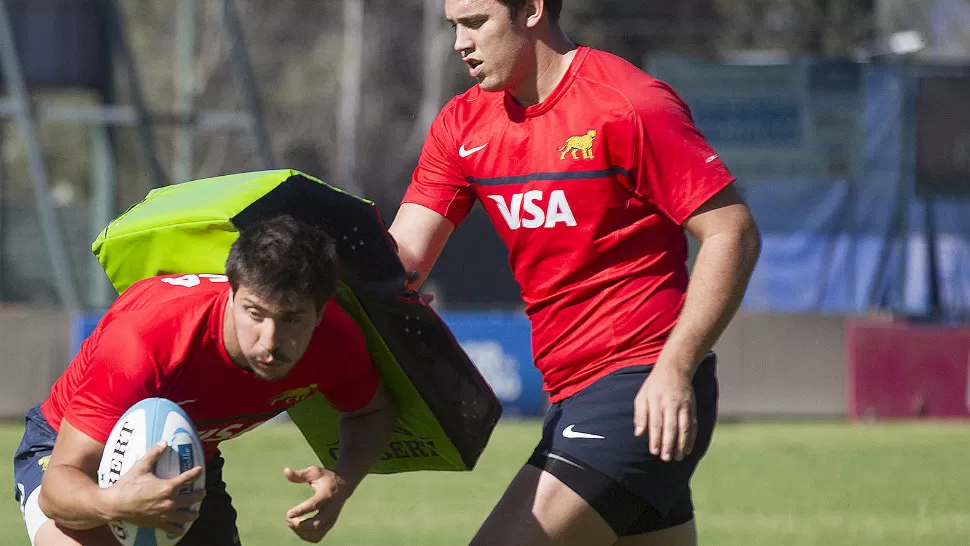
x=420 y=234
x=363 y=436
x=71 y=497
x=730 y=245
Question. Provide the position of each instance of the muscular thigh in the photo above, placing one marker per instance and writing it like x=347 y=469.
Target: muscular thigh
x=588 y=444
x=539 y=510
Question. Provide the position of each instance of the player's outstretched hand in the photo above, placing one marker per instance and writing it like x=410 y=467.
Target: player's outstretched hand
x=665 y=409
x=314 y=517
x=146 y=500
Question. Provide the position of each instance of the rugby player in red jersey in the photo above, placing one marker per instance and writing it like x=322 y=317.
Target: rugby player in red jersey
x=233 y=351
x=591 y=171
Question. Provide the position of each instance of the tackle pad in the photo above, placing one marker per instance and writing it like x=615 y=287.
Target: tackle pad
x=446 y=410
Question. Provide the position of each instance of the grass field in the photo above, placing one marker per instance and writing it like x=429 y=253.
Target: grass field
x=770 y=484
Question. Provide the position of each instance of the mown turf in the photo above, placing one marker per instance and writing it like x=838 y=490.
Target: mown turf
x=770 y=484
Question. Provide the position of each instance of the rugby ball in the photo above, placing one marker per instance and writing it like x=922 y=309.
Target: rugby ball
x=141 y=427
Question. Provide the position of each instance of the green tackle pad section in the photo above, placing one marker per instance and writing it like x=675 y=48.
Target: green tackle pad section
x=445 y=410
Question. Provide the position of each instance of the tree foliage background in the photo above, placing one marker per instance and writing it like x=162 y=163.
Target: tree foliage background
x=296 y=50
x=295 y=47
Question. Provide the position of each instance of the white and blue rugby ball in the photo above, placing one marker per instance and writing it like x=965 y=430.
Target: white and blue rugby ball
x=141 y=427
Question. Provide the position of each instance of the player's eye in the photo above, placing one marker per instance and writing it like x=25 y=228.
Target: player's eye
x=254 y=314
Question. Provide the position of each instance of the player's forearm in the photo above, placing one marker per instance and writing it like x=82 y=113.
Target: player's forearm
x=717 y=285
x=420 y=235
x=362 y=442
x=416 y=260
x=72 y=499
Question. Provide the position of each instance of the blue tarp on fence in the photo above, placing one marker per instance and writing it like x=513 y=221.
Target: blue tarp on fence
x=844 y=228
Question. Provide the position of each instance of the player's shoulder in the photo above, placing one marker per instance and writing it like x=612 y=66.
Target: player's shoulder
x=608 y=74
x=164 y=289
x=599 y=65
x=167 y=300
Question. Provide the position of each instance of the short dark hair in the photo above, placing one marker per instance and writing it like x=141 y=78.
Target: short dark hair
x=284 y=261
x=553 y=7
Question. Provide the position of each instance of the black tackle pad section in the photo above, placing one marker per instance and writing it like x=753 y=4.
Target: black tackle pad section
x=368 y=260
x=454 y=390
x=462 y=408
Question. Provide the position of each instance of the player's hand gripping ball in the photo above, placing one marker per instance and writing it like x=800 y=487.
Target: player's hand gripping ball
x=145 y=424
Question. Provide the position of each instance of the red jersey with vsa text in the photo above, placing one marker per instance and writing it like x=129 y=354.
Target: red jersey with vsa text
x=163 y=337
x=588 y=190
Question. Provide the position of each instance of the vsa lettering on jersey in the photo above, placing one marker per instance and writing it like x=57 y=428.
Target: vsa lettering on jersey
x=220 y=434
x=530 y=210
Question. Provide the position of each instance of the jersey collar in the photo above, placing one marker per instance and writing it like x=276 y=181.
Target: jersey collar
x=557 y=93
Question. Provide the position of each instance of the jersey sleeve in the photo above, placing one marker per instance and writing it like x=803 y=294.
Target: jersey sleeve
x=438 y=183
x=121 y=372
x=351 y=382
x=676 y=168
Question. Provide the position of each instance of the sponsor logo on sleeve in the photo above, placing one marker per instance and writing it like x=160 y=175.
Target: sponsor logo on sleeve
x=292 y=396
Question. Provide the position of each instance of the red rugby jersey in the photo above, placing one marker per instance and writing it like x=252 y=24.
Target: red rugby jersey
x=588 y=190
x=163 y=338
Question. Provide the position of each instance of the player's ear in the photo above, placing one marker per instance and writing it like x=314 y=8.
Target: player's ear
x=533 y=12
x=232 y=296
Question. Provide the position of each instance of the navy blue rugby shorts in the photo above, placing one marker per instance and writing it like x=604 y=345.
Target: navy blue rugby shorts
x=588 y=444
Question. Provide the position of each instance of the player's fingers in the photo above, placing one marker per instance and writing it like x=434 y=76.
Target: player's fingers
x=190 y=498
x=670 y=434
x=655 y=420
x=694 y=429
x=311 y=529
x=306 y=507
x=186 y=478
x=147 y=461
x=686 y=432
x=181 y=516
x=304 y=475
x=641 y=411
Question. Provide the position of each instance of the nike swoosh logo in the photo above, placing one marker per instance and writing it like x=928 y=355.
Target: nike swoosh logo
x=465 y=153
x=568 y=432
x=183 y=402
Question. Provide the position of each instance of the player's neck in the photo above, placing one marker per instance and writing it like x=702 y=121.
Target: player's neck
x=553 y=56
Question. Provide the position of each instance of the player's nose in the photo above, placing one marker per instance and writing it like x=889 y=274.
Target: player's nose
x=463 y=42
x=269 y=336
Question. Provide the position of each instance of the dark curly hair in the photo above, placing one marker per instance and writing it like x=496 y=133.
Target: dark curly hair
x=285 y=261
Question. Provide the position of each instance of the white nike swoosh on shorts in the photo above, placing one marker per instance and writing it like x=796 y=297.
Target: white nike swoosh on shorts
x=568 y=432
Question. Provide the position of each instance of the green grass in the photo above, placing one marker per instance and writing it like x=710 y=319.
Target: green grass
x=771 y=484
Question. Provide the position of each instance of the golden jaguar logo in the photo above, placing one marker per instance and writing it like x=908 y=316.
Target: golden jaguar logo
x=292 y=396
x=43 y=462
x=581 y=143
